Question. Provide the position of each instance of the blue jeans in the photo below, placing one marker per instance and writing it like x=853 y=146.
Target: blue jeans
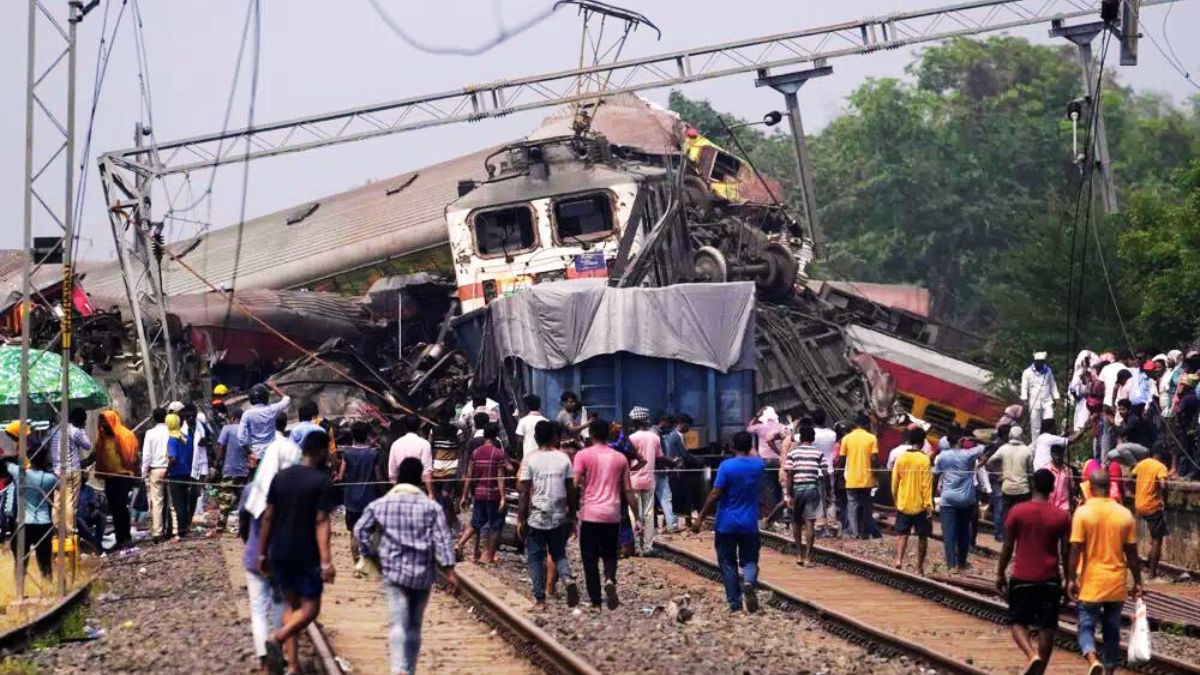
x=734 y=550
x=537 y=543
x=662 y=492
x=1109 y=614
x=406 y=611
x=997 y=514
x=956 y=534
x=858 y=503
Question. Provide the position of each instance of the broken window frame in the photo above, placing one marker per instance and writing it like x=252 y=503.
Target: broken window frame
x=533 y=226
x=610 y=199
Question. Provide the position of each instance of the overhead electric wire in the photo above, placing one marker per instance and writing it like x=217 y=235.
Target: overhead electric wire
x=1088 y=223
x=102 y=60
x=503 y=35
x=1087 y=171
x=241 y=226
x=1172 y=59
x=237 y=69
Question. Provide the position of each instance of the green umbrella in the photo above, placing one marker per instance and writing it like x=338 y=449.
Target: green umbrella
x=45 y=384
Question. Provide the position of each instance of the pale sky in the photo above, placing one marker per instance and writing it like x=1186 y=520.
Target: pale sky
x=323 y=56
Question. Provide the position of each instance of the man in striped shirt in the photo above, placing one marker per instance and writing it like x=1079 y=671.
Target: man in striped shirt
x=800 y=478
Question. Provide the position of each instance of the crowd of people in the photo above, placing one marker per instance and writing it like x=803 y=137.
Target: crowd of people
x=405 y=491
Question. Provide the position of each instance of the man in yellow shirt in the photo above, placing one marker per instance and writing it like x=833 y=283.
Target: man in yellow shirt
x=858 y=454
x=912 y=489
x=1151 y=474
x=1103 y=548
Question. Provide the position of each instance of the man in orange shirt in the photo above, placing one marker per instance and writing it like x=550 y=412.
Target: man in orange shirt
x=1151 y=474
x=858 y=454
x=1103 y=548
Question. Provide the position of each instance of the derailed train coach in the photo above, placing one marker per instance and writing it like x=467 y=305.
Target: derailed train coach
x=558 y=208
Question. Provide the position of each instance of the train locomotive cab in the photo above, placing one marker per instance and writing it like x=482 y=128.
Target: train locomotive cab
x=551 y=209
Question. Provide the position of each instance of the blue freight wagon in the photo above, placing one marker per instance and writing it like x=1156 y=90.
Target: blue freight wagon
x=612 y=384
x=683 y=349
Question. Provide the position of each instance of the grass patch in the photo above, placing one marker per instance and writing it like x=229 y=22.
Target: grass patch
x=14 y=666
x=71 y=628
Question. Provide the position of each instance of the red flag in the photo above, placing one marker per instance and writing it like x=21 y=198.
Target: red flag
x=80 y=301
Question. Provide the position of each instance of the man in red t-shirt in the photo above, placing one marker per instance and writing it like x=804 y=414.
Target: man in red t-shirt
x=1039 y=532
x=485 y=475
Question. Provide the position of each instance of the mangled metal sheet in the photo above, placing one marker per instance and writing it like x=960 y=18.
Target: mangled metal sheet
x=221 y=330
x=555 y=324
x=626 y=120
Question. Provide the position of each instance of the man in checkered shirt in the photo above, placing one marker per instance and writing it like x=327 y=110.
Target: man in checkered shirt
x=414 y=539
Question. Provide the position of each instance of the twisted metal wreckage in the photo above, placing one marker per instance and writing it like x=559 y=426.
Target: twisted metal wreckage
x=632 y=195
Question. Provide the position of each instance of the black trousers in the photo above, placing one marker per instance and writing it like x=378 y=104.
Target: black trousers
x=598 y=541
x=116 y=493
x=183 y=501
x=39 y=538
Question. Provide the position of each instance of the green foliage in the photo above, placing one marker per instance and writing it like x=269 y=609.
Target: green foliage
x=1160 y=251
x=960 y=178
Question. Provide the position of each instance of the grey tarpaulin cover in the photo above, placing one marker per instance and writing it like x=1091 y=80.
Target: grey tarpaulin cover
x=555 y=324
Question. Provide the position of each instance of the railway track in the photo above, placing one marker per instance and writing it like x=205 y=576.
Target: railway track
x=993 y=548
x=1167 y=609
x=473 y=632
x=917 y=606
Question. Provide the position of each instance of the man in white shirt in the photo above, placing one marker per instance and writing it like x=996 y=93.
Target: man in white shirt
x=1047 y=440
x=1039 y=392
x=1108 y=375
x=154 y=469
x=914 y=435
x=278 y=455
x=409 y=444
x=526 y=425
x=478 y=403
x=825 y=440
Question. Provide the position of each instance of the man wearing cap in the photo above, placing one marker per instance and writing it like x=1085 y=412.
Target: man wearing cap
x=1014 y=461
x=1039 y=392
x=648 y=446
x=1169 y=382
x=257 y=429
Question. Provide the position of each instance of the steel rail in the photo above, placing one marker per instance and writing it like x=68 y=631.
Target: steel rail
x=531 y=641
x=326 y=658
x=1165 y=608
x=17 y=638
x=957 y=599
x=842 y=625
x=987 y=525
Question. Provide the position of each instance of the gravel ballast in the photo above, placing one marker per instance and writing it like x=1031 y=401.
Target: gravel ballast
x=640 y=636
x=166 y=608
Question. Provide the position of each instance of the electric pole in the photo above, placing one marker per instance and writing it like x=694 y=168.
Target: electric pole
x=788 y=84
x=1082 y=36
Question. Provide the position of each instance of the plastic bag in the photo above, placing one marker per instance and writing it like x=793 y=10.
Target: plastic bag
x=1139 y=638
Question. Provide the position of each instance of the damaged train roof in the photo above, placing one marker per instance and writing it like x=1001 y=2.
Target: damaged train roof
x=351 y=230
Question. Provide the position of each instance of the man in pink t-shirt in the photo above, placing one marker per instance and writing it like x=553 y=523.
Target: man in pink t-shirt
x=648 y=446
x=602 y=475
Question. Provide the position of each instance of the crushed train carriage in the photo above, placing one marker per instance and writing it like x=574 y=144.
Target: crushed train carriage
x=639 y=199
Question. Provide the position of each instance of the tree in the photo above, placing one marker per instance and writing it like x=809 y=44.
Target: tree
x=961 y=178
x=1160 y=255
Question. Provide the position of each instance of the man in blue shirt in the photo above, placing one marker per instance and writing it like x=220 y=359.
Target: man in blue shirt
x=308 y=414
x=257 y=429
x=955 y=467
x=235 y=470
x=735 y=496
